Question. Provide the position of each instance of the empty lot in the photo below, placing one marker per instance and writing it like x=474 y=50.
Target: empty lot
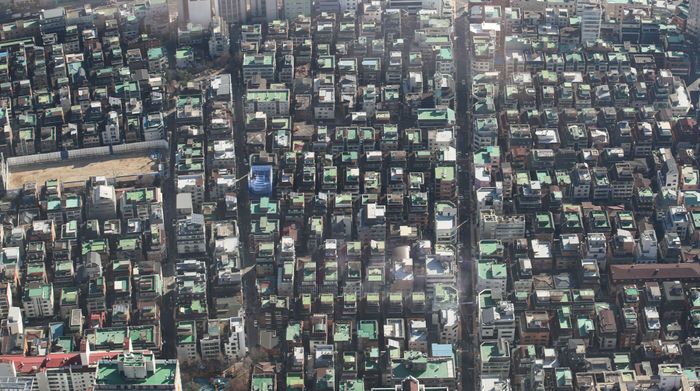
x=82 y=169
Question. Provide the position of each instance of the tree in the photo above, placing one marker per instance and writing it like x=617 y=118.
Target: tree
x=241 y=378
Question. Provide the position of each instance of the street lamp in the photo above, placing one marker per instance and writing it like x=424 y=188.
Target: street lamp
x=241 y=178
x=461 y=224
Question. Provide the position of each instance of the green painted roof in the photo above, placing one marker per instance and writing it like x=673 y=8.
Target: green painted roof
x=185 y=332
x=367 y=329
x=490 y=270
x=141 y=334
x=108 y=371
x=353 y=385
x=342 y=332
x=253 y=60
x=293 y=331
x=295 y=380
x=267 y=95
x=42 y=292
x=445 y=173
x=427 y=369
x=69 y=295
x=155 y=53
x=262 y=383
x=491 y=349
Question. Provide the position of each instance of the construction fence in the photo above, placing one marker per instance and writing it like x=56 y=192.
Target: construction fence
x=86 y=153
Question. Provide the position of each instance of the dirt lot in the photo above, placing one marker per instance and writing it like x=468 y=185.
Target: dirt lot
x=75 y=170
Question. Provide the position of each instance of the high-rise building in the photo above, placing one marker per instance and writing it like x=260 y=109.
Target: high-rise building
x=197 y=11
x=591 y=13
x=413 y=6
x=264 y=10
x=693 y=25
x=234 y=11
x=348 y=5
x=294 y=8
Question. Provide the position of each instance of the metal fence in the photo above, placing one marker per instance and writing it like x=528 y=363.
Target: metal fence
x=84 y=153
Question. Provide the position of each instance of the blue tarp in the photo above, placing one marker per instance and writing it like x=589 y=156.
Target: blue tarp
x=260 y=181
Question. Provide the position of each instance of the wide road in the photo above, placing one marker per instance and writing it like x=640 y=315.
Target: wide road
x=466 y=202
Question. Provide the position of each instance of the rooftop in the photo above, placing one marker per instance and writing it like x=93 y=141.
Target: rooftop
x=112 y=372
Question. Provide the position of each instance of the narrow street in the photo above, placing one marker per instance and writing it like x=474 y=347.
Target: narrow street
x=169 y=212
x=239 y=137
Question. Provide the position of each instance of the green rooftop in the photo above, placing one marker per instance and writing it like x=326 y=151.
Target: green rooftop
x=109 y=372
x=140 y=195
x=367 y=329
x=96 y=246
x=490 y=248
x=491 y=349
x=141 y=334
x=184 y=53
x=564 y=317
x=428 y=116
x=267 y=95
x=262 y=383
x=342 y=332
x=416 y=364
x=66 y=343
x=564 y=377
x=185 y=333
x=352 y=385
x=69 y=296
x=445 y=173
x=257 y=60
x=42 y=292
x=446 y=293
x=293 y=331
x=155 y=53
x=109 y=336
x=295 y=380
x=695 y=217
x=544 y=220
x=585 y=326
x=490 y=270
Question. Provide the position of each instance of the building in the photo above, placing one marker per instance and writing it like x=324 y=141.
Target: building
x=219 y=41
x=274 y=102
x=258 y=65
x=263 y=10
x=186 y=342
x=492 y=276
x=53 y=371
x=235 y=346
x=504 y=228
x=102 y=204
x=445 y=222
x=436 y=370
x=496 y=318
x=413 y=6
x=534 y=327
x=294 y=8
x=641 y=273
x=137 y=371
x=233 y=11
x=495 y=359
x=693 y=23
x=591 y=14
x=38 y=300
x=191 y=235
x=197 y=12
x=111 y=131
